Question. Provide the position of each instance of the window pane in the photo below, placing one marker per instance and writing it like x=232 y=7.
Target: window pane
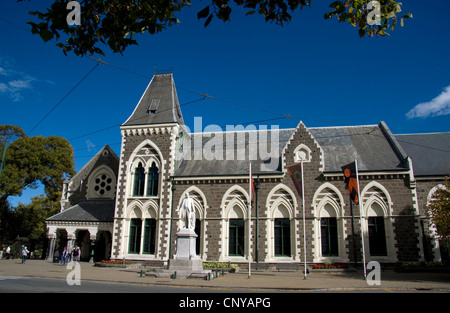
x=328 y=228
x=282 y=237
x=198 y=228
x=149 y=236
x=236 y=238
x=139 y=180
x=134 y=245
x=377 y=236
x=152 y=182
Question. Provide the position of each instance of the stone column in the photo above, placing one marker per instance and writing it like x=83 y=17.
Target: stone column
x=51 y=247
x=92 y=237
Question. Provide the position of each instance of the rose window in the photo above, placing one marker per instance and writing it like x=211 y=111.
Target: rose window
x=103 y=184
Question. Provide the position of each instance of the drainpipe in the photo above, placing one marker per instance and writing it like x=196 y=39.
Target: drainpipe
x=257 y=186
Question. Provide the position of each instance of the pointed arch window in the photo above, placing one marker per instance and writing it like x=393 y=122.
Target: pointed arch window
x=139 y=181
x=329 y=234
x=153 y=180
x=134 y=244
x=236 y=241
x=282 y=237
x=149 y=235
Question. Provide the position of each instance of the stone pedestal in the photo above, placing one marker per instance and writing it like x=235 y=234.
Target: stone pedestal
x=186 y=243
x=186 y=258
x=185 y=262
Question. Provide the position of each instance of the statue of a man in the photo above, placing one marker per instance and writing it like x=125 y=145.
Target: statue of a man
x=187 y=212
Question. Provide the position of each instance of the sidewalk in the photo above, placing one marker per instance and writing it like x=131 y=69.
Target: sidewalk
x=259 y=281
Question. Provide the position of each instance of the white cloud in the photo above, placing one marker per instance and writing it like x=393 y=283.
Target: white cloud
x=3 y=87
x=438 y=106
x=14 y=88
x=20 y=84
x=13 y=82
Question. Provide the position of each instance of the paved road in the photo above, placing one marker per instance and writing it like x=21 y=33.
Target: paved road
x=37 y=273
x=17 y=284
x=264 y=291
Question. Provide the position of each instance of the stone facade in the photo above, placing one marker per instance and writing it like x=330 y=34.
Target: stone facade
x=86 y=217
x=158 y=166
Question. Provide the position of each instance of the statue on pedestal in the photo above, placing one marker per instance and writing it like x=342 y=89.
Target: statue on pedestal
x=187 y=212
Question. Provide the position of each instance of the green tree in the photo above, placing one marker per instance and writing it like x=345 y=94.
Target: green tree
x=439 y=211
x=115 y=22
x=29 y=161
x=28 y=220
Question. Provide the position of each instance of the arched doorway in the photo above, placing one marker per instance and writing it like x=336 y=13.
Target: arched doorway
x=84 y=243
x=61 y=240
x=102 y=250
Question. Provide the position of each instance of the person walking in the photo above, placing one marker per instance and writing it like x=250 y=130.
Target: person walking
x=24 y=254
x=64 y=257
x=76 y=254
x=69 y=253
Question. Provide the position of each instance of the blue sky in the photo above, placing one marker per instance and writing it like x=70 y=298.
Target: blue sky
x=317 y=70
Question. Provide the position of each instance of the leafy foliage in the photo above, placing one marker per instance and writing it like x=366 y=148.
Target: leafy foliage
x=28 y=220
x=439 y=211
x=28 y=161
x=361 y=14
x=111 y=22
x=116 y=22
x=32 y=159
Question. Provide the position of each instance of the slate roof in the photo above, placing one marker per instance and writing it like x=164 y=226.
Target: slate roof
x=87 y=211
x=374 y=146
x=430 y=153
x=371 y=145
x=242 y=143
x=158 y=105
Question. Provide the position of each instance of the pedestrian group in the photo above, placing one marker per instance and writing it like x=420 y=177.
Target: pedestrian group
x=67 y=255
x=70 y=254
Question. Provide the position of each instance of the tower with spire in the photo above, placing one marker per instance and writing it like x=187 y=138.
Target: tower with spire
x=147 y=163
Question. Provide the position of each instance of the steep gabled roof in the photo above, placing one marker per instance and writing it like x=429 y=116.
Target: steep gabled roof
x=158 y=105
x=87 y=168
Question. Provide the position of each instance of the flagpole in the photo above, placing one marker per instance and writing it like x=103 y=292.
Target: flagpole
x=249 y=219
x=361 y=220
x=304 y=222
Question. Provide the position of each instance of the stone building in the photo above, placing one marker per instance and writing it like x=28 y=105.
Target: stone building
x=87 y=209
x=161 y=160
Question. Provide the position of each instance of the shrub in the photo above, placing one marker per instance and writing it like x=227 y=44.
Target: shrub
x=219 y=265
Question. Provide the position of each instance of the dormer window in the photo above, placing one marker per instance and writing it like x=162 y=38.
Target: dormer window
x=153 y=106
